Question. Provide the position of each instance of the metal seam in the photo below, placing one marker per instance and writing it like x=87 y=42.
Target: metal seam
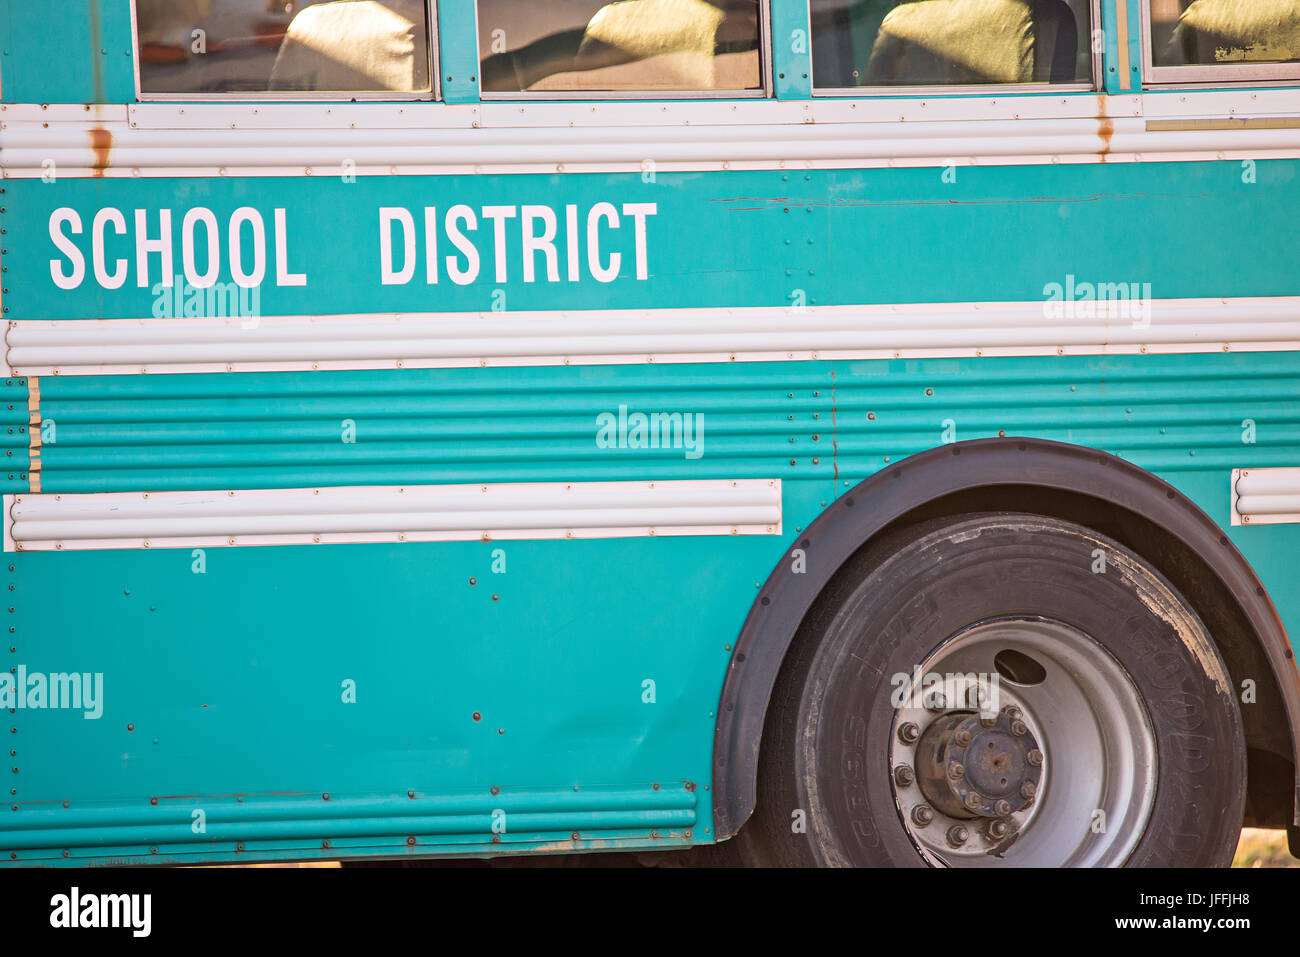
x=34 y=433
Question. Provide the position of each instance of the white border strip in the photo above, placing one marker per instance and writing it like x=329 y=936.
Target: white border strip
x=246 y=139
x=1265 y=496
x=634 y=336
x=423 y=513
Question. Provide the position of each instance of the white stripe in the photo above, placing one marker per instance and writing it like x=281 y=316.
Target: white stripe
x=1265 y=496
x=450 y=340
x=423 y=513
x=267 y=139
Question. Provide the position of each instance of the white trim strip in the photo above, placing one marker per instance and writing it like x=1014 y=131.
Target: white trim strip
x=264 y=139
x=604 y=337
x=1266 y=496
x=424 y=513
x=625 y=117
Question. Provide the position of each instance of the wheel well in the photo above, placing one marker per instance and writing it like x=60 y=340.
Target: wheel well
x=1070 y=482
x=1270 y=772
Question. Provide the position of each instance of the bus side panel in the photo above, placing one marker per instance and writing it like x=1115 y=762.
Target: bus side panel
x=59 y=54
x=711 y=240
x=247 y=683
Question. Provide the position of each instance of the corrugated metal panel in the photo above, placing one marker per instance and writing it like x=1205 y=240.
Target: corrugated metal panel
x=440 y=819
x=1266 y=496
x=760 y=421
x=245 y=139
x=393 y=514
x=1121 y=326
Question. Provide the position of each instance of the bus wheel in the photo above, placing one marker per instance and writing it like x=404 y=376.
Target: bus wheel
x=1000 y=690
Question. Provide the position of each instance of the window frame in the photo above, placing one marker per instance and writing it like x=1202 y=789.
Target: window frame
x=433 y=94
x=975 y=89
x=765 y=91
x=1207 y=74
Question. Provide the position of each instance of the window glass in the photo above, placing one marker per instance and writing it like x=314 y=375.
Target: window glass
x=632 y=45
x=258 y=46
x=1208 y=32
x=950 y=42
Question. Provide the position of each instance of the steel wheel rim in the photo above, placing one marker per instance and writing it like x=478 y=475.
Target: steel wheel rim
x=1097 y=781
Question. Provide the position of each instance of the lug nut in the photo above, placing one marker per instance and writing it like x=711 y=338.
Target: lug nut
x=962 y=738
x=1034 y=757
x=937 y=704
x=996 y=830
x=955 y=770
x=973 y=800
x=1003 y=808
x=904 y=776
x=1019 y=727
x=958 y=835
x=908 y=732
x=989 y=721
x=1012 y=712
x=922 y=815
x=1028 y=789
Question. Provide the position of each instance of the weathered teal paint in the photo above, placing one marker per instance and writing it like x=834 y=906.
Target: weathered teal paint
x=719 y=239
x=231 y=680
x=1133 y=20
x=458 y=51
x=76 y=51
x=791 y=50
x=225 y=669
x=255 y=650
x=268 y=430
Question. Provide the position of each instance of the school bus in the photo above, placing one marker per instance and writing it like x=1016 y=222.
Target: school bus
x=846 y=432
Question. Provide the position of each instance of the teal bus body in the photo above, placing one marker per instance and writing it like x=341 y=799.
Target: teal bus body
x=341 y=701
x=227 y=683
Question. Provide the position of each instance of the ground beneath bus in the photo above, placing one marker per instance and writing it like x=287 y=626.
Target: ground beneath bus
x=1258 y=848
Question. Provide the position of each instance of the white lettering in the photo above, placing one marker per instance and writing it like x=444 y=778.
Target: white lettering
x=117 y=278
x=387 y=216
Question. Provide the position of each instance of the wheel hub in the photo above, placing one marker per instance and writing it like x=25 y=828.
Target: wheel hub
x=972 y=767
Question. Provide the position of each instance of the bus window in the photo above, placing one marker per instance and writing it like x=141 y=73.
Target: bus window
x=887 y=43
x=1224 y=39
x=196 y=47
x=569 y=46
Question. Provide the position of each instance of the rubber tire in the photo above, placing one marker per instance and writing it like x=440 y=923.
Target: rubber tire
x=827 y=736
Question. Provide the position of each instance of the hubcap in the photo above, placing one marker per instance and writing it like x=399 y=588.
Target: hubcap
x=968 y=768
x=1022 y=741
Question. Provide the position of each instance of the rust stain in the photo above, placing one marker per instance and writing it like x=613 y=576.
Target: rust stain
x=101 y=142
x=1105 y=127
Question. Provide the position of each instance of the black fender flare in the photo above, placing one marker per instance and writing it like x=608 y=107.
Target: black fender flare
x=876 y=502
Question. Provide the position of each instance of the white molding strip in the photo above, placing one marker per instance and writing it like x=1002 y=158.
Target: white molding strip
x=423 y=513
x=1265 y=496
x=268 y=139
x=601 y=337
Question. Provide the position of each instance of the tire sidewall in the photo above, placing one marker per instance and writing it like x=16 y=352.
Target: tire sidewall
x=948 y=578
